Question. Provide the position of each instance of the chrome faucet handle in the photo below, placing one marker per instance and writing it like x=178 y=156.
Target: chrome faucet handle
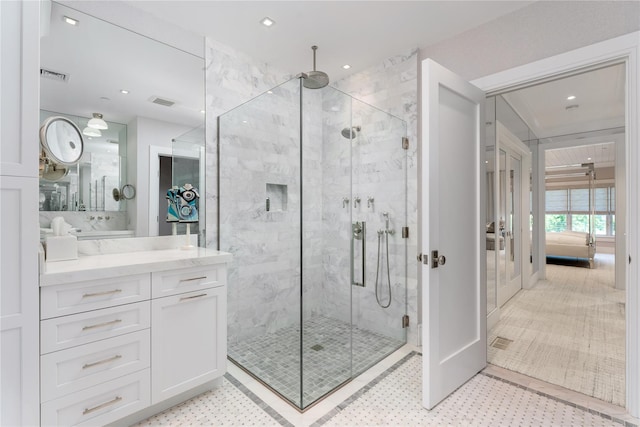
x=356 y=201
x=345 y=202
x=370 y=201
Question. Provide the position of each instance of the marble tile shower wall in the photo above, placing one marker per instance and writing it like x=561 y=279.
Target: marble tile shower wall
x=393 y=87
x=259 y=146
x=374 y=163
x=234 y=78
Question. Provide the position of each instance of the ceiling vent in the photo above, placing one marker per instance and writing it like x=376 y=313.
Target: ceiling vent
x=54 y=75
x=161 y=101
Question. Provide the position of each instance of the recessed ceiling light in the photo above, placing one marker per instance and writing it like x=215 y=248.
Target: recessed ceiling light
x=267 y=22
x=270 y=92
x=202 y=111
x=588 y=158
x=70 y=21
x=124 y=91
x=244 y=121
x=571 y=97
x=346 y=66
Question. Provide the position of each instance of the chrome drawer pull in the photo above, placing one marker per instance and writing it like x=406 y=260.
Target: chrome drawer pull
x=192 y=297
x=192 y=279
x=99 y=294
x=102 y=405
x=100 y=325
x=100 y=362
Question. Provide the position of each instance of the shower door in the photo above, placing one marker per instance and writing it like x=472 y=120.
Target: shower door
x=379 y=203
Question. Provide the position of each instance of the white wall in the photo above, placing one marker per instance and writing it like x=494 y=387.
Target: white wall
x=543 y=29
x=143 y=133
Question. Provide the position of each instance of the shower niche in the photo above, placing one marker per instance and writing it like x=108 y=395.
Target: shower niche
x=296 y=321
x=276 y=200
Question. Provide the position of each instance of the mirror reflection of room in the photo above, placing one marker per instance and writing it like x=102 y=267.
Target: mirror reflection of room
x=139 y=108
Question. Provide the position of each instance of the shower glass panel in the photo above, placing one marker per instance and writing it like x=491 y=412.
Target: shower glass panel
x=259 y=166
x=310 y=181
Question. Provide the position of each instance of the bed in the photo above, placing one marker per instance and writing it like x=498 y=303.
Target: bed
x=570 y=244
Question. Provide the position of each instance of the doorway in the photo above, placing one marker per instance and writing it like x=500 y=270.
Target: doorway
x=558 y=328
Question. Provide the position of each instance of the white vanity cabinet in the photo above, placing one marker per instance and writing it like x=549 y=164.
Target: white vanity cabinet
x=187 y=339
x=113 y=346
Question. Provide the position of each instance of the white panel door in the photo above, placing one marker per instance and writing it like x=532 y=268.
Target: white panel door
x=454 y=283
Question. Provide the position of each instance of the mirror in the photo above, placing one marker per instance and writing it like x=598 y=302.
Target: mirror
x=61 y=141
x=88 y=175
x=148 y=93
x=127 y=192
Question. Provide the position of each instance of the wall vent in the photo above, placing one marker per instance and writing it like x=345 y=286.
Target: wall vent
x=54 y=75
x=161 y=101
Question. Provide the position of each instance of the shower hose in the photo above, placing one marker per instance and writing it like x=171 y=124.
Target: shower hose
x=380 y=234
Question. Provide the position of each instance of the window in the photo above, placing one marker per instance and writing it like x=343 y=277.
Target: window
x=568 y=209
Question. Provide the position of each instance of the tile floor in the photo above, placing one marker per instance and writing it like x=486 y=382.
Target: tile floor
x=326 y=357
x=389 y=394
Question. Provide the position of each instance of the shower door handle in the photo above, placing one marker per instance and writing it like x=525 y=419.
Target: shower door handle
x=359 y=232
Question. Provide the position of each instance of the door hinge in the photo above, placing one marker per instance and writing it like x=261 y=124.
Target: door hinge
x=405 y=143
x=405 y=321
x=405 y=232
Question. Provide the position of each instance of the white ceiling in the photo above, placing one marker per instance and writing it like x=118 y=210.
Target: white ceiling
x=599 y=95
x=602 y=155
x=358 y=33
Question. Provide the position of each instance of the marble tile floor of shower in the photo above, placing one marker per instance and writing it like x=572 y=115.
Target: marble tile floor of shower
x=327 y=356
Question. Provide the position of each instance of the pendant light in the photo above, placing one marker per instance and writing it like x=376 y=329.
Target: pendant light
x=97 y=123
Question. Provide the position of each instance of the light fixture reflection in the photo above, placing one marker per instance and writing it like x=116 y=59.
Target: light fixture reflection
x=89 y=131
x=97 y=123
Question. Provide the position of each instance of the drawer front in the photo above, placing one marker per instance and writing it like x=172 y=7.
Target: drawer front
x=74 y=369
x=167 y=283
x=101 y=404
x=79 y=297
x=64 y=332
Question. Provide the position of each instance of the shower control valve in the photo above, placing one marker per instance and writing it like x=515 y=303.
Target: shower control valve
x=370 y=201
x=356 y=201
x=345 y=202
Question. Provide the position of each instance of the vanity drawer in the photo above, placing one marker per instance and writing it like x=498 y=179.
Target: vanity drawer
x=78 y=368
x=100 y=405
x=82 y=328
x=59 y=300
x=167 y=283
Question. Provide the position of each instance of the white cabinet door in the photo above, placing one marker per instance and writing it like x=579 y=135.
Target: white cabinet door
x=19 y=301
x=188 y=341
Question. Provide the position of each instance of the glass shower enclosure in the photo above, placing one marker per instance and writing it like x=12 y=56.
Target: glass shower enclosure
x=312 y=202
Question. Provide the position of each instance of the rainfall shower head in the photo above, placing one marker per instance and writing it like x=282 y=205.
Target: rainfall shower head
x=315 y=79
x=351 y=133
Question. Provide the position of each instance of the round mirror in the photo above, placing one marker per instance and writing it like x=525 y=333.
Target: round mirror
x=61 y=140
x=128 y=192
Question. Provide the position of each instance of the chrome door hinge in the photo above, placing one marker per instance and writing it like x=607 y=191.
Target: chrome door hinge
x=405 y=143
x=405 y=232
x=405 y=321
x=423 y=258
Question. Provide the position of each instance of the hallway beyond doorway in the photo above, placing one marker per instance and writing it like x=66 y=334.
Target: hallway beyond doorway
x=568 y=330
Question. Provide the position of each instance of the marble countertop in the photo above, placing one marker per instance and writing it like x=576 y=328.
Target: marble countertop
x=125 y=263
